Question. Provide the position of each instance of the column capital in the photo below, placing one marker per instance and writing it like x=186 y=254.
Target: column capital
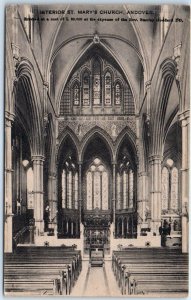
x=9 y=116
x=45 y=84
x=52 y=174
x=143 y=173
x=156 y=158
x=114 y=163
x=148 y=84
x=184 y=118
x=40 y=158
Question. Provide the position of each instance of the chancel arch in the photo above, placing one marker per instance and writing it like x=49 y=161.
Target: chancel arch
x=97 y=191
x=102 y=134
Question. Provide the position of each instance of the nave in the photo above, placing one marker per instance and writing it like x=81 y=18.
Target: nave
x=132 y=271
x=99 y=281
x=96 y=153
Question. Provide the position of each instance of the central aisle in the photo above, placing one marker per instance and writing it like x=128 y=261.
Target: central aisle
x=96 y=281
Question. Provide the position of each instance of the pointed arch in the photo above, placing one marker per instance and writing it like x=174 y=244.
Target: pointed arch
x=97 y=131
x=10 y=73
x=68 y=133
x=167 y=75
x=131 y=137
x=170 y=121
x=83 y=53
x=27 y=84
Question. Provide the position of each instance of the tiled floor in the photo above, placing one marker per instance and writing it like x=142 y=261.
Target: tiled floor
x=96 y=281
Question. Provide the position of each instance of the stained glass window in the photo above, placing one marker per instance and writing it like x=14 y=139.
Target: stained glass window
x=131 y=188
x=86 y=89
x=107 y=88
x=70 y=189
x=30 y=195
x=117 y=94
x=127 y=190
x=69 y=182
x=97 y=186
x=174 y=188
x=97 y=190
x=76 y=94
x=63 y=189
x=165 y=188
x=170 y=186
x=96 y=82
x=104 y=191
x=76 y=190
x=89 y=191
x=118 y=191
x=124 y=189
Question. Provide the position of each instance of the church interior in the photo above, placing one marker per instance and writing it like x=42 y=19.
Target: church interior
x=96 y=150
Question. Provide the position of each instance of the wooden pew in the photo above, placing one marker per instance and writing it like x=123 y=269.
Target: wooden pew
x=133 y=267
x=28 y=264
x=63 y=271
x=160 y=286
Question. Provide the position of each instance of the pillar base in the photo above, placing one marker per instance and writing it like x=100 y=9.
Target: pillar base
x=52 y=226
x=39 y=228
x=155 y=227
x=8 y=239
x=185 y=237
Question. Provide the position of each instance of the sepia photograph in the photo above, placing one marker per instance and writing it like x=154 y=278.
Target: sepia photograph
x=96 y=150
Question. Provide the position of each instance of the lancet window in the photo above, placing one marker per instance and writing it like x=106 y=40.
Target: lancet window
x=125 y=187
x=86 y=89
x=169 y=182
x=69 y=186
x=97 y=185
x=118 y=93
x=76 y=95
x=96 y=82
x=108 y=90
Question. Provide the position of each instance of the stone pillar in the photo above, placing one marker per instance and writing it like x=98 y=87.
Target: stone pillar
x=122 y=228
x=72 y=229
x=142 y=200
x=184 y=119
x=114 y=194
x=52 y=201
x=148 y=91
x=38 y=161
x=80 y=191
x=8 y=238
x=155 y=171
x=77 y=229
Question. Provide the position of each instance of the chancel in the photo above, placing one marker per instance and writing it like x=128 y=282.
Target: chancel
x=96 y=151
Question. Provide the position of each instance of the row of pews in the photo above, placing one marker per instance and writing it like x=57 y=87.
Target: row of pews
x=41 y=270
x=151 y=271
